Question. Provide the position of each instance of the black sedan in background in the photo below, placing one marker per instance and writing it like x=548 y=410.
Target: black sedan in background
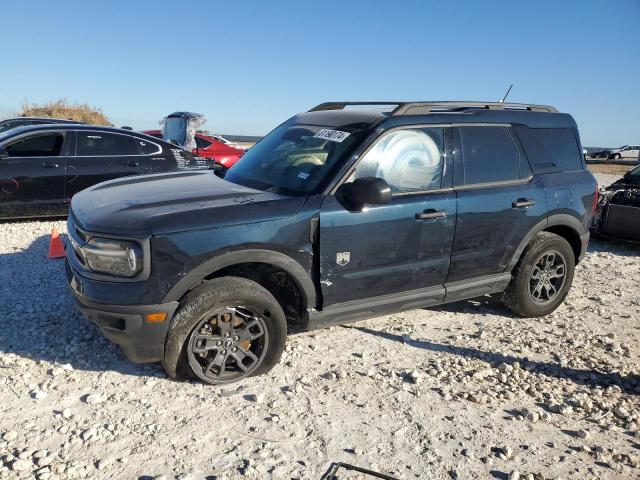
x=43 y=166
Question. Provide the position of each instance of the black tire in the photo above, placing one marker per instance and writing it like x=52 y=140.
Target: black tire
x=617 y=156
x=209 y=312
x=523 y=296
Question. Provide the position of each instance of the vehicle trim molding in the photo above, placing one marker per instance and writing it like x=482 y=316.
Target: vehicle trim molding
x=354 y=310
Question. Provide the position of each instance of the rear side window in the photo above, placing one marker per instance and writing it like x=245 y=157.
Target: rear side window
x=550 y=149
x=103 y=143
x=38 y=146
x=489 y=155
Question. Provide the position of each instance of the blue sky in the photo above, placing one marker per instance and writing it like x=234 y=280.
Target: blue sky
x=249 y=65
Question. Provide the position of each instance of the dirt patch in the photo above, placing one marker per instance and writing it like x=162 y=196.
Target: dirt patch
x=609 y=169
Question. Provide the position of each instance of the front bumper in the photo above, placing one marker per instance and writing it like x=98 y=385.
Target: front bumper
x=125 y=325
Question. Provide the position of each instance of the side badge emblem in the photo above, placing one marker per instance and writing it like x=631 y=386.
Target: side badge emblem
x=342 y=258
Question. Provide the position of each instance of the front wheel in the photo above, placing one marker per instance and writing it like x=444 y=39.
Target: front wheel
x=617 y=156
x=542 y=278
x=227 y=329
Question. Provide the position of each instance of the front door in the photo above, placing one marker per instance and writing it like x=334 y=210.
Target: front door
x=400 y=247
x=102 y=156
x=32 y=175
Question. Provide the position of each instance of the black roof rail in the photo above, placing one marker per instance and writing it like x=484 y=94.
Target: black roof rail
x=420 y=108
x=342 y=105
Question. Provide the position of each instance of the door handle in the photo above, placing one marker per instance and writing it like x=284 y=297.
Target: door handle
x=430 y=214
x=523 y=203
x=132 y=163
x=49 y=165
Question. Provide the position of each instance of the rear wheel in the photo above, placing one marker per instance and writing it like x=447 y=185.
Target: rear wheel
x=542 y=278
x=227 y=329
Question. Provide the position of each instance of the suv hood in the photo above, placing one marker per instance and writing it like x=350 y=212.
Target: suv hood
x=145 y=205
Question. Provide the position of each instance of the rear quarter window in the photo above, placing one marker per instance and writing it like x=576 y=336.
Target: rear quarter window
x=147 y=148
x=550 y=149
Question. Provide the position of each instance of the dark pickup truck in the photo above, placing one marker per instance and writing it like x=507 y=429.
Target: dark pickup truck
x=340 y=213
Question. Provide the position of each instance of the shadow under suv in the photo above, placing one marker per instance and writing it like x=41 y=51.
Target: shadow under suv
x=338 y=214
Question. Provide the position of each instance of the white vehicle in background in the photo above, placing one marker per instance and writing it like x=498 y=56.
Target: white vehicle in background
x=222 y=139
x=626 y=151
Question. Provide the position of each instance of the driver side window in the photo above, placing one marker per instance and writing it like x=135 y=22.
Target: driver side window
x=409 y=160
x=47 y=145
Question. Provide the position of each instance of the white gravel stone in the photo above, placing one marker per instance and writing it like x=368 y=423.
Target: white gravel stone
x=38 y=394
x=256 y=397
x=582 y=433
x=21 y=465
x=94 y=398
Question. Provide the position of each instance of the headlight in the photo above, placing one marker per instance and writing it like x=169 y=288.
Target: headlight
x=113 y=257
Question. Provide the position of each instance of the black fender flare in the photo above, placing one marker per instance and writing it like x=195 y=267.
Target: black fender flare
x=292 y=267
x=562 y=219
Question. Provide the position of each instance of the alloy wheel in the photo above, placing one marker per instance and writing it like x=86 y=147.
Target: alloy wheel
x=227 y=345
x=547 y=277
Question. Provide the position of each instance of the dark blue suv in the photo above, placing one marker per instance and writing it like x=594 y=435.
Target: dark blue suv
x=348 y=211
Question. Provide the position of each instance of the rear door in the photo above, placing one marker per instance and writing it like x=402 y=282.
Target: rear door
x=32 y=174
x=100 y=156
x=499 y=200
x=399 y=247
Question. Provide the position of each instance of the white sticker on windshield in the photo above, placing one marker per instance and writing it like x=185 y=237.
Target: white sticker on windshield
x=303 y=175
x=333 y=135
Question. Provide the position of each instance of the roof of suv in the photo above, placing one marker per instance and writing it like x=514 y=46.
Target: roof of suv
x=388 y=114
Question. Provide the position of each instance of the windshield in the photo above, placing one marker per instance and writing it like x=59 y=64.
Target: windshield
x=294 y=159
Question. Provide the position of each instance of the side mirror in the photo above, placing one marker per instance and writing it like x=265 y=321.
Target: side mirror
x=3 y=152
x=363 y=191
x=218 y=169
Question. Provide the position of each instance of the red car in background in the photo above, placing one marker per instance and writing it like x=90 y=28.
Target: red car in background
x=209 y=147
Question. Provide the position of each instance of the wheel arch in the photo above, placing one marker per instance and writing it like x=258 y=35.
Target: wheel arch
x=227 y=261
x=562 y=224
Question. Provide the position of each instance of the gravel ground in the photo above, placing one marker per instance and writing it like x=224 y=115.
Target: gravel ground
x=606 y=179
x=460 y=391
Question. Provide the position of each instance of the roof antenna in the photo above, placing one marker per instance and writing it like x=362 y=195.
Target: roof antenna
x=506 y=94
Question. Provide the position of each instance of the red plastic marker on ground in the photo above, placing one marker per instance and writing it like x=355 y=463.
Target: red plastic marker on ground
x=56 y=246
